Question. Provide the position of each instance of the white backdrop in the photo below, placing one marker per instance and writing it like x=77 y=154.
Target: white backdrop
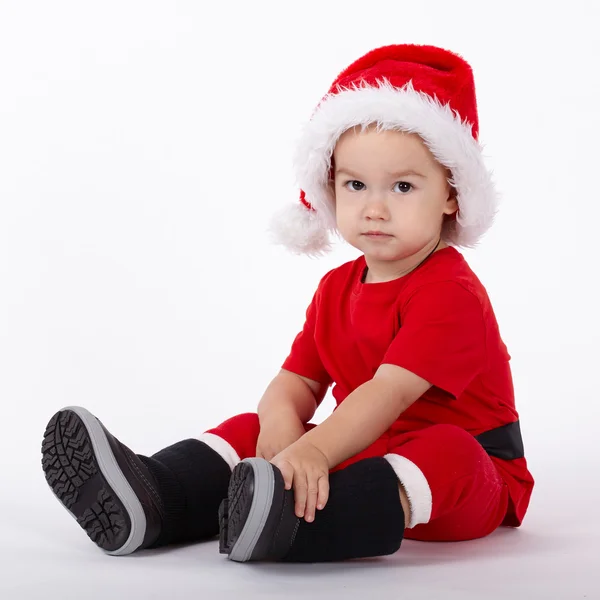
x=143 y=147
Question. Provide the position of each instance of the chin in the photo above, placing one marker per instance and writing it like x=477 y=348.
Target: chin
x=382 y=254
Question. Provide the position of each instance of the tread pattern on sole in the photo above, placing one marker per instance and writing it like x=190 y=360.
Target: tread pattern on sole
x=238 y=505
x=72 y=472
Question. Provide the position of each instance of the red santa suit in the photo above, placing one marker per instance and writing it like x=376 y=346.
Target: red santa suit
x=457 y=450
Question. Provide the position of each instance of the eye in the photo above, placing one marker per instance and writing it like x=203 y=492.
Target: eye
x=355 y=185
x=403 y=187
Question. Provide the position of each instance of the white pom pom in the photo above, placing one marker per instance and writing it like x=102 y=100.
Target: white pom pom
x=300 y=230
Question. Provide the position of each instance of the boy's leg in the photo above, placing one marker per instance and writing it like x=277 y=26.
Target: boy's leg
x=363 y=516
x=450 y=487
x=234 y=439
x=202 y=469
x=126 y=501
x=258 y=521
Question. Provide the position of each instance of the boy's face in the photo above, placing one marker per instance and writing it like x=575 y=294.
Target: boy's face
x=389 y=182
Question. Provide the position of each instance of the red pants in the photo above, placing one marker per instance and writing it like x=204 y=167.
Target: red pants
x=454 y=489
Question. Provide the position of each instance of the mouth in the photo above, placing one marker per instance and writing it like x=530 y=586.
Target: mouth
x=377 y=234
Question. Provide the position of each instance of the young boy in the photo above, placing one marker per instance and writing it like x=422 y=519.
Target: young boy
x=425 y=441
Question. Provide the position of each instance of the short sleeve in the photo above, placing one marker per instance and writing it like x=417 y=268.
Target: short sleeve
x=304 y=358
x=442 y=337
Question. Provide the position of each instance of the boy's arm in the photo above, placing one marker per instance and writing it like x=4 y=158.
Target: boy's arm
x=367 y=413
x=290 y=395
x=287 y=404
x=443 y=341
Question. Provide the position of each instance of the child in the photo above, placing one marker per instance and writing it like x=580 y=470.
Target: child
x=425 y=441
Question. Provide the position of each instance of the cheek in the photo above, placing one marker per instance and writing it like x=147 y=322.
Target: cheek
x=418 y=210
x=413 y=220
x=345 y=212
x=407 y=212
x=345 y=222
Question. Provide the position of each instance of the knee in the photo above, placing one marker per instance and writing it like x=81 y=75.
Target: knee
x=242 y=426
x=241 y=433
x=454 y=443
x=449 y=433
x=244 y=420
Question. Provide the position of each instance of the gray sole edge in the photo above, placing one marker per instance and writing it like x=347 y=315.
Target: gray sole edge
x=264 y=485
x=107 y=463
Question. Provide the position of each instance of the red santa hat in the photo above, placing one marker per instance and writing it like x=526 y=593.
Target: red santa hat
x=418 y=89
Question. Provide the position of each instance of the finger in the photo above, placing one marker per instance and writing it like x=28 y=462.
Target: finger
x=264 y=452
x=323 y=491
x=311 y=497
x=287 y=471
x=300 y=491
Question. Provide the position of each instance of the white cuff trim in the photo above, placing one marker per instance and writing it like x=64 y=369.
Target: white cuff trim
x=222 y=448
x=417 y=489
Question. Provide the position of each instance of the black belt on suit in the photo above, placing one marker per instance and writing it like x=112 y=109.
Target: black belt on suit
x=503 y=442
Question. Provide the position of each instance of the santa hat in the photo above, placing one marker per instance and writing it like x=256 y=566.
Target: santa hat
x=418 y=89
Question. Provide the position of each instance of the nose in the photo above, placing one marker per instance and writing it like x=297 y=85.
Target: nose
x=376 y=209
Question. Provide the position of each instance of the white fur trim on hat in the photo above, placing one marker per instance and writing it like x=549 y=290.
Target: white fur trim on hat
x=449 y=138
x=300 y=230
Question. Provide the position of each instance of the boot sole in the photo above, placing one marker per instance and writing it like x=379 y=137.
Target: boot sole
x=84 y=475
x=252 y=483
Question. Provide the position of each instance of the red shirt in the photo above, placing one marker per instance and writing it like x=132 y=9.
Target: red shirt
x=436 y=322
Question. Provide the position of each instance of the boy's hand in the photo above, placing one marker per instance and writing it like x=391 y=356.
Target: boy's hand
x=306 y=468
x=277 y=434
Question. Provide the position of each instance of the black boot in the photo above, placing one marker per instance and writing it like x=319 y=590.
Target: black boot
x=195 y=479
x=123 y=501
x=363 y=516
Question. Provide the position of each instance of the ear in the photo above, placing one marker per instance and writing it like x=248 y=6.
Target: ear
x=451 y=205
